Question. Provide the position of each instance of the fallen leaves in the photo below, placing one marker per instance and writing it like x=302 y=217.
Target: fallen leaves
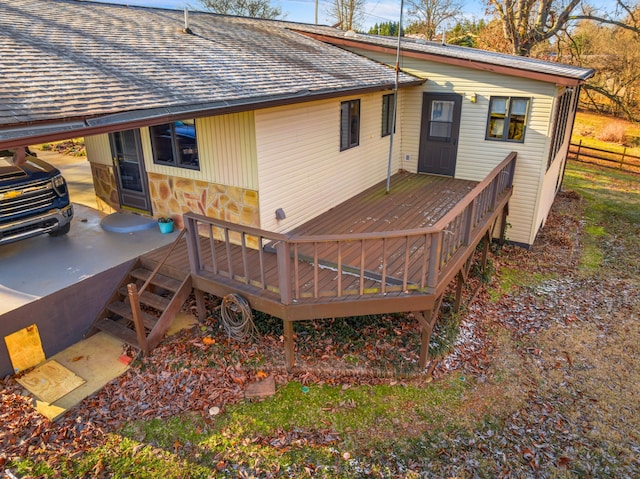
x=200 y=372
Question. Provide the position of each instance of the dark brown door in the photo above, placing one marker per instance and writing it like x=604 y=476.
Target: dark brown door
x=439 y=133
x=131 y=176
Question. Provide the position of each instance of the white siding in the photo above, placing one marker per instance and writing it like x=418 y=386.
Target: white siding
x=227 y=149
x=98 y=149
x=301 y=167
x=477 y=156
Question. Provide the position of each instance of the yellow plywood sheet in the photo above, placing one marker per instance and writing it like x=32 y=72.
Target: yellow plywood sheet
x=50 y=411
x=25 y=348
x=50 y=381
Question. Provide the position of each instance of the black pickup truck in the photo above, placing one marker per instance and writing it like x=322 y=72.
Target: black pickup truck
x=34 y=199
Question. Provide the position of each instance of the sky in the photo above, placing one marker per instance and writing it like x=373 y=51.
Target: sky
x=377 y=11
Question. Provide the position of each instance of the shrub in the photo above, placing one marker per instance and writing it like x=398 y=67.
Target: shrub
x=614 y=132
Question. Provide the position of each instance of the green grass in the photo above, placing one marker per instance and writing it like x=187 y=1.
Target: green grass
x=511 y=279
x=611 y=235
x=328 y=427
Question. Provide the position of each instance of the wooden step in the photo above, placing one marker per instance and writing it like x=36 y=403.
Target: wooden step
x=118 y=329
x=149 y=299
x=165 y=282
x=124 y=310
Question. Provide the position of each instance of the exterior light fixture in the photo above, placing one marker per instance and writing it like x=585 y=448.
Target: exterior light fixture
x=473 y=98
x=280 y=214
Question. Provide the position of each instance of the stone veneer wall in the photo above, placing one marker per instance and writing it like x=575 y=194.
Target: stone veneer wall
x=104 y=182
x=172 y=197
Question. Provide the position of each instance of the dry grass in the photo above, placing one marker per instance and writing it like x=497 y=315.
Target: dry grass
x=614 y=132
x=603 y=132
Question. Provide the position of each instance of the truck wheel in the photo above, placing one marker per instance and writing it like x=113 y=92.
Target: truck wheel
x=63 y=230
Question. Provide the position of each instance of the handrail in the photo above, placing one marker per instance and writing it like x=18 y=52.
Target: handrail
x=134 y=297
x=249 y=230
x=161 y=262
x=366 y=263
x=475 y=192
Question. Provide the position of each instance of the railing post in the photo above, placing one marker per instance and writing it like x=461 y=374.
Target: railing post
x=494 y=193
x=471 y=211
x=434 y=259
x=193 y=246
x=134 y=302
x=283 y=252
x=512 y=170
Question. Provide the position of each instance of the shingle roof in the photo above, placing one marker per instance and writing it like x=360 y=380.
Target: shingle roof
x=448 y=52
x=65 y=59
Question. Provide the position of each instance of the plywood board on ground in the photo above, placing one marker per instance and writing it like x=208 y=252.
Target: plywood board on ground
x=50 y=381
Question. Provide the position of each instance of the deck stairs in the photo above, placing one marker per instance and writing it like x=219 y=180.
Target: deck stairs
x=144 y=304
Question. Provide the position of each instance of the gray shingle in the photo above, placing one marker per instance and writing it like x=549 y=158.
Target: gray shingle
x=63 y=59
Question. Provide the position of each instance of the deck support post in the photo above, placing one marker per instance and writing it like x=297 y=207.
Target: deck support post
x=427 y=320
x=289 y=357
x=459 y=285
x=201 y=306
x=503 y=224
x=485 y=250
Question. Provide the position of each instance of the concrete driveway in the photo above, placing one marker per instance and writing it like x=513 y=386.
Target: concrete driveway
x=36 y=267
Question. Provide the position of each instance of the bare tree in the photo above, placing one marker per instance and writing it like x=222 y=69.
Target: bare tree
x=429 y=15
x=527 y=23
x=615 y=87
x=347 y=13
x=243 y=8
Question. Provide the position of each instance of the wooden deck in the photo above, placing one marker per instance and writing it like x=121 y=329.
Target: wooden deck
x=375 y=253
x=413 y=201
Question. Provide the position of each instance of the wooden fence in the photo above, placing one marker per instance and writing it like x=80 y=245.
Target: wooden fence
x=610 y=159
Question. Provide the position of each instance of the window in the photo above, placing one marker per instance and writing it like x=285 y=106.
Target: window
x=387 y=114
x=174 y=144
x=564 y=106
x=507 y=118
x=441 y=120
x=349 y=124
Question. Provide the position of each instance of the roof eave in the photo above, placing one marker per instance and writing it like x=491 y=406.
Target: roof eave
x=477 y=65
x=24 y=134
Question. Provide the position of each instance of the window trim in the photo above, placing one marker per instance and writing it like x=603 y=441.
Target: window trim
x=387 y=119
x=351 y=142
x=507 y=119
x=176 y=157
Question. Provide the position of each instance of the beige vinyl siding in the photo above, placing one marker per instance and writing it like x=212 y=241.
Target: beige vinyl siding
x=227 y=149
x=408 y=138
x=551 y=178
x=548 y=191
x=301 y=167
x=476 y=155
x=98 y=149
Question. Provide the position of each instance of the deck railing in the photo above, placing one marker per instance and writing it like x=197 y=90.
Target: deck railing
x=299 y=268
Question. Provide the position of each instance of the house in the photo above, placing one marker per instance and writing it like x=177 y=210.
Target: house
x=269 y=124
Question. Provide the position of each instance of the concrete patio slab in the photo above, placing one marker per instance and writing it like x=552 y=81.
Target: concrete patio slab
x=36 y=267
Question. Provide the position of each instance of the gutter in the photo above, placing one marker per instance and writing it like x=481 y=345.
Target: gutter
x=45 y=131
